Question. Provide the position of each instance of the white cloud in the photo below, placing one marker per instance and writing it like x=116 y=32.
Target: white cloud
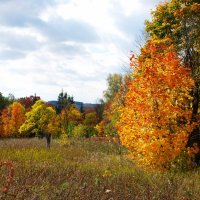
x=23 y=31
x=96 y=13
x=71 y=45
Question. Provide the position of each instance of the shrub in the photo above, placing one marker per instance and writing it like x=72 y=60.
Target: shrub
x=84 y=131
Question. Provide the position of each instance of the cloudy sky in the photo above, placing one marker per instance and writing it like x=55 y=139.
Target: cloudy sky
x=50 y=45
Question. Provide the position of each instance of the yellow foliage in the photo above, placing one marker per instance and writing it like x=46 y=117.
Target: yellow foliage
x=100 y=128
x=63 y=140
x=155 y=121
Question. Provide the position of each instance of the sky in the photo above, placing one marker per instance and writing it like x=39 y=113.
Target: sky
x=47 y=46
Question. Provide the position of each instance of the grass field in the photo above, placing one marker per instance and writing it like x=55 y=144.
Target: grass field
x=87 y=170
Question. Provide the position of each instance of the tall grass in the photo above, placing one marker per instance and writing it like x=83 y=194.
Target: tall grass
x=87 y=170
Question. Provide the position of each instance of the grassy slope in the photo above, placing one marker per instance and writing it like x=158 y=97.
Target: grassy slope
x=87 y=170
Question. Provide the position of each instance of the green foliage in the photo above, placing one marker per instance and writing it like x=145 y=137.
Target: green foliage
x=64 y=140
x=4 y=101
x=81 y=131
x=114 y=82
x=90 y=131
x=110 y=128
x=70 y=127
x=64 y=102
x=114 y=99
x=69 y=118
x=178 y=21
x=90 y=119
x=99 y=109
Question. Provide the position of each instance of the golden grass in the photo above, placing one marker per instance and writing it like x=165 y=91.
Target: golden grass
x=87 y=170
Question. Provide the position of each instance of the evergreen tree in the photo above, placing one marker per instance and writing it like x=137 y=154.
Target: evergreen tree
x=64 y=102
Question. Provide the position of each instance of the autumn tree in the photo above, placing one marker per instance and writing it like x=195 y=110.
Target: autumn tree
x=5 y=122
x=155 y=120
x=38 y=121
x=69 y=118
x=178 y=21
x=66 y=109
x=1 y=127
x=55 y=126
x=27 y=102
x=12 y=118
x=90 y=119
x=87 y=127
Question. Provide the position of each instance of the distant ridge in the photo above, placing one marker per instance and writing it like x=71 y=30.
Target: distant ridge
x=80 y=105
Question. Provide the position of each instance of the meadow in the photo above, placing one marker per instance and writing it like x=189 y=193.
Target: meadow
x=87 y=170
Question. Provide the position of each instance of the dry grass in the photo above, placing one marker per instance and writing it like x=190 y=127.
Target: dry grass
x=87 y=170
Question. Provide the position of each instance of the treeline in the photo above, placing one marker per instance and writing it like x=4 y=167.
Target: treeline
x=31 y=116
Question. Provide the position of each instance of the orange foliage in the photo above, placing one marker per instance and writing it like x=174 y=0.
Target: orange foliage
x=12 y=118
x=155 y=121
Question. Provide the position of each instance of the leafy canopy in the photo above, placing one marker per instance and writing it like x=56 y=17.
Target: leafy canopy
x=38 y=119
x=155 y=121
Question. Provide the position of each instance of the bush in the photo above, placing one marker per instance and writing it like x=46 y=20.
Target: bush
x=90 y=119
x=90 y=131
x=63 y=140
x=84 y=131
x=110 y=129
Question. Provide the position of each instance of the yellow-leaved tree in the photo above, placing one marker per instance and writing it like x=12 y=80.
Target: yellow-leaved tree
x=155 y=121
x=39 y=121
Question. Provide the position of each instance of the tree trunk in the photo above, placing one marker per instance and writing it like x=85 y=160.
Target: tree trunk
x=48 y=138
x=195 y=134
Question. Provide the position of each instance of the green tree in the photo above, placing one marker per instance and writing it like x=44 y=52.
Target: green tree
x=84 y=131
x=4 y=102
x=114 y=82
x=65 y=107
x=38 y=120
x=114 y=97
x=178 y=20
x=90 y=119
x=99 y=109
x=64 y=102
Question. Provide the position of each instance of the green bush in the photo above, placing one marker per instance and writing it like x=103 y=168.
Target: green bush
x=84 y=131
x=79 y=131
x=91 y=131
x=90 y=119
x=110 y=129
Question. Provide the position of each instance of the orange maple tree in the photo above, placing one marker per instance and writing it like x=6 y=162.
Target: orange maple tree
x=12 y=118
x=155 y=121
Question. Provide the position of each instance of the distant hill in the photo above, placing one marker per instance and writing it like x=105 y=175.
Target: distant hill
x=80 y=105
